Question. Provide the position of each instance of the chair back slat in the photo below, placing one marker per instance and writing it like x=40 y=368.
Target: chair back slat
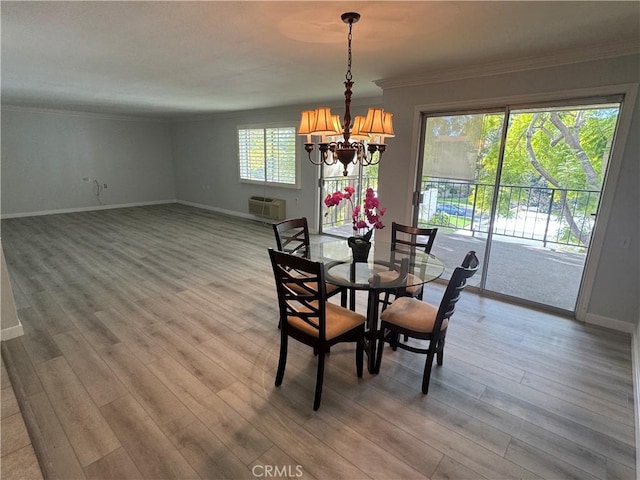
x=292 y=236
x=305 y=313
x=456 y=285
x=405 y=240
x=410 y=236
x=402 y=320
x=301 y=290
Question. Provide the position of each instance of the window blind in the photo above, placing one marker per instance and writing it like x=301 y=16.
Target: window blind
x=268 y=154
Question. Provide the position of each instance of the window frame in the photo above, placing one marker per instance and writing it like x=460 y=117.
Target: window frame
x=264 y=127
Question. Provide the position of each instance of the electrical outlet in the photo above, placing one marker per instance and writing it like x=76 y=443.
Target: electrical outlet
x=104 y=185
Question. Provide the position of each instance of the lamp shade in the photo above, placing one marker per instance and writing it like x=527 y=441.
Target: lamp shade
x=387 y=124
x=374 y=123
x=324 y=122
x=356 y=130
x=337 y=126
x=307 y=122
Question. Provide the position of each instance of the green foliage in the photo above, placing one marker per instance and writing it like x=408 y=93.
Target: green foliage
x=561 y=153
x=449 y=222
x=440 y=219
x=592 y=128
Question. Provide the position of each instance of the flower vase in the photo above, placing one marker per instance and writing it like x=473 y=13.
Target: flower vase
x=360 y=247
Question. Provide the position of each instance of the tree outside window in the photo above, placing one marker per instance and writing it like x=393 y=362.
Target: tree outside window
x=268 y=155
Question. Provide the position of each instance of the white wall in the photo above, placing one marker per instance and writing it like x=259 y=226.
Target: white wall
x=617 y=284
x=46 y=154
x=205 y=157
x=614 y=295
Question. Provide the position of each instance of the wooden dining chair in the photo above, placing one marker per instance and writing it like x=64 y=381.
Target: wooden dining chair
x=306 y=316
x=416 y=319
x=292 y=236
x=406 y=237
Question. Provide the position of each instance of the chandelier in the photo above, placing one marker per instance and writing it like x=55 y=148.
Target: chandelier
x=361 y=142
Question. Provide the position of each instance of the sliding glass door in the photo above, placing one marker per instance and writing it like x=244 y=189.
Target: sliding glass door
x=521 y=186
x=456 y=192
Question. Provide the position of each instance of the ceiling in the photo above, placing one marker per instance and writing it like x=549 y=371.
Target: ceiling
x=185 y=58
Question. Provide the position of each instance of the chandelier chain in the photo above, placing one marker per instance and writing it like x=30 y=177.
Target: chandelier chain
x=346 y=143
x=348 y=76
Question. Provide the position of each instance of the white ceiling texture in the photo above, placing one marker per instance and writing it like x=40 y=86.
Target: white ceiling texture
x=185 y=58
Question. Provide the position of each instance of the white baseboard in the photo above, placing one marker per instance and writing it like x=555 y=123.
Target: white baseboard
x=85 y=209
x=11 y=332
x=233 y=213
x=635 y=364
x=611 y=323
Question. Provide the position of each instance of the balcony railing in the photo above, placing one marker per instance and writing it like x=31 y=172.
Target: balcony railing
x=557 y=216
x=548 y=215
x=340 y=215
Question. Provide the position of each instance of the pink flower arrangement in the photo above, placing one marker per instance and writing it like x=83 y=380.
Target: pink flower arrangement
x=365 y=218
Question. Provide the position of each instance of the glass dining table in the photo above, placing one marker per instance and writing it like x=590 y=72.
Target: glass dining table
x=386 y=270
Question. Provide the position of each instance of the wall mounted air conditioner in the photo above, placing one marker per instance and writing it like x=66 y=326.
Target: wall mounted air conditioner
x=272 y=208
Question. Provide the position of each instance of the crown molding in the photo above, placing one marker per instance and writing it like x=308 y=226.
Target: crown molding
x=282 y=109
x=520 y=65
x=187 y=117
x=79 y=113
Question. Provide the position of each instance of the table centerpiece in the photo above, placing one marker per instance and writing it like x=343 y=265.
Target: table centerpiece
x=365 y=219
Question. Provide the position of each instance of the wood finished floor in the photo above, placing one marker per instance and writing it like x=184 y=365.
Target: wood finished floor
x=150 y=351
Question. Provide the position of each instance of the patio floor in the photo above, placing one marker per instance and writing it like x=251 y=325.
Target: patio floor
x=528 y=271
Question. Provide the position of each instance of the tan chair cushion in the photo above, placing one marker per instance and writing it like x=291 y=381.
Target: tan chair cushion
x=412 y=314
x=339 y=321
x=391 y=276
x=387 y=276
